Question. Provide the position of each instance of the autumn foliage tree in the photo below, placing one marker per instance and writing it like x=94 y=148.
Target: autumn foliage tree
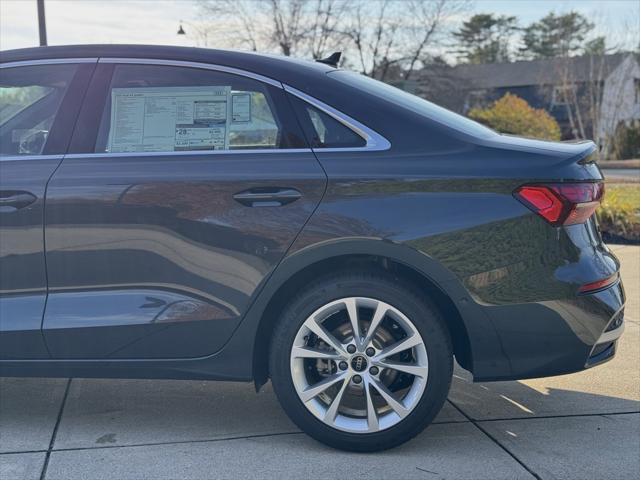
x=511 y=114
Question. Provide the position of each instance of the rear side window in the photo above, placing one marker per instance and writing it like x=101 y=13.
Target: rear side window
x=152 y=108
x=324 y=131
x=412 y=102
x=30 y=98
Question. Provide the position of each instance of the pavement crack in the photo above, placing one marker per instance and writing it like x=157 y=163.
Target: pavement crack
x=427 y=471
x=177 y=442
x=545 y=417
x=43 y=474
x=495 y=440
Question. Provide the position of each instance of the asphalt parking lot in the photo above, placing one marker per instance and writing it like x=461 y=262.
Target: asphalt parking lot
x=582 y=426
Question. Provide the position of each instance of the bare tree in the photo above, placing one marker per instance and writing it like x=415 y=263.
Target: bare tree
x=396 y=35
x=430 y=22
x=377 y=37
x=569 y=93
x=235 y=21
x=289 y=27
x=616 y=103
x=323 y=32
x=288 y=22
x=373 y=37
x=596 y=90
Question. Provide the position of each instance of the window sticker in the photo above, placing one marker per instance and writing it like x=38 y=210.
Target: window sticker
x=241 y=107
x=153 y=119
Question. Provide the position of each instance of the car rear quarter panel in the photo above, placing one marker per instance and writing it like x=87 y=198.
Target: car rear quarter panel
x=518 y=276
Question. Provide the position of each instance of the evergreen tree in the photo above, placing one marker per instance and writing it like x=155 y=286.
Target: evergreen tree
x=485 y=38
x=556 y=36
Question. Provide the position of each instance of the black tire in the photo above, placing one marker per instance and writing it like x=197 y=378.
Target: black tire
x=380 y=286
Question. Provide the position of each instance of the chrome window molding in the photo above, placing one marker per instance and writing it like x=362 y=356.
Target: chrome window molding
x=47 y=61
x=13 y=158
x=374 y=141
x=185 y=153
x=204 y=66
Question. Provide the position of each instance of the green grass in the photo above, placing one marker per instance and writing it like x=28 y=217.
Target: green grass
x=619 y=214
x=623 y=193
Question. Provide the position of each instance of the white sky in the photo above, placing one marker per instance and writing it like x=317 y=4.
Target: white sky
x=156 y=21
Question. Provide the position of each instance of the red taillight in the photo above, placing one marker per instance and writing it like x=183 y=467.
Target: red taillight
x=599 y=285
x=562 y=203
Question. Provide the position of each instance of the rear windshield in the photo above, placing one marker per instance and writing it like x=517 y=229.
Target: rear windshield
x=412 y=102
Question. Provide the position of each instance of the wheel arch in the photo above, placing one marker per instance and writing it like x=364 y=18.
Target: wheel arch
x=410 y=265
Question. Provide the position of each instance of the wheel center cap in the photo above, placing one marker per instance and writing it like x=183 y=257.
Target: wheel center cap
x=359 y=363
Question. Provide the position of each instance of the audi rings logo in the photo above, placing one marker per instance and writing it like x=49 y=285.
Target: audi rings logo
x=359 y=363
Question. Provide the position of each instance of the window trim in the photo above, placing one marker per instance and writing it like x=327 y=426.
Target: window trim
x=187 y=152
x=373 y=140
x=183 y=63
x=48 y=61
x=14 y=158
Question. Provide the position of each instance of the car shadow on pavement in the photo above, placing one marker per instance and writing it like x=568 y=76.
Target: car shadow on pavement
x=519 y=400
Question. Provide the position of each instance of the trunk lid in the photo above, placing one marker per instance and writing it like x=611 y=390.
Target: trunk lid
x=541 y=159
x=571 y=151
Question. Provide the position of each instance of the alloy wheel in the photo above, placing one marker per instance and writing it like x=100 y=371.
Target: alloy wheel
x=359 y=365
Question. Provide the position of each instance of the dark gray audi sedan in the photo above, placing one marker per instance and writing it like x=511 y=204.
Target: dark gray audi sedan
x=203 y=214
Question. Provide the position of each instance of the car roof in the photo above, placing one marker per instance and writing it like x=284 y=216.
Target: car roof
x=274 y=66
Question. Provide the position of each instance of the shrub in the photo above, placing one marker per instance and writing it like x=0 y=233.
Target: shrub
x=618 y=216
x=512 y=114
x=626 y=140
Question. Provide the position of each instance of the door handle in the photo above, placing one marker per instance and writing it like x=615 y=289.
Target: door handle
x=12 y=200
x=267 y=196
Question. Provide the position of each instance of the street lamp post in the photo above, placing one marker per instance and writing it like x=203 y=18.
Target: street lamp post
x=42 y=25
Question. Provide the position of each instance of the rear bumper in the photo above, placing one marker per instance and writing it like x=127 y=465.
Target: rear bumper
x=611 y=335
x=605 y=347
x=560 y=336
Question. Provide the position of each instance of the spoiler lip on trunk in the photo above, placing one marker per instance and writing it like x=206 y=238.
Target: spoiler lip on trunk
x=576 y=151
x=558 y=161
x=586 y=155
x=568 y=149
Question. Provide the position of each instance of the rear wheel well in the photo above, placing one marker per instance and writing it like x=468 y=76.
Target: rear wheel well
x=424 y=285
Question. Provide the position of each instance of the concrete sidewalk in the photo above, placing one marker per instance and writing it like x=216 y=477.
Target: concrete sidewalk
x=582 y=426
